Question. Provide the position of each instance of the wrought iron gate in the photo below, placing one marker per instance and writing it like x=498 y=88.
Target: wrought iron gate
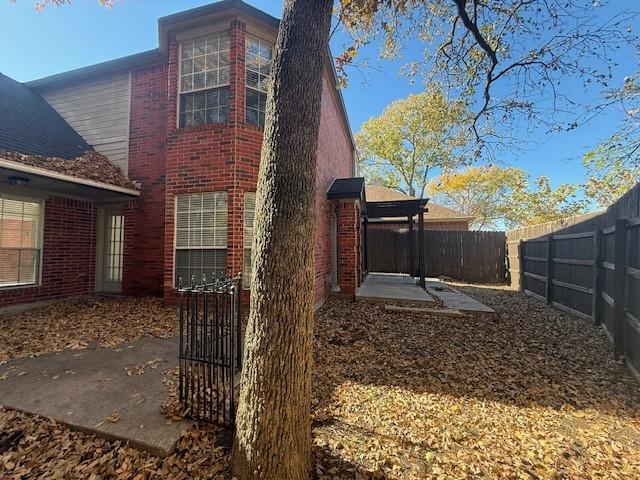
x=210 y=348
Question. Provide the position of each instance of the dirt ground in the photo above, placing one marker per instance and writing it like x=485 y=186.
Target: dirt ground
x=529 y=393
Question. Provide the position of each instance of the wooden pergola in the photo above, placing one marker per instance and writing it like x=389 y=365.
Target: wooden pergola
x=396 y=209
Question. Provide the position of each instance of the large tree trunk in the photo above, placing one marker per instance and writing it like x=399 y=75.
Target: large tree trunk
x=273 y=438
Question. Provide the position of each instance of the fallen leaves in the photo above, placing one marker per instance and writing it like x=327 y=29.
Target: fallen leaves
x=75 y=324
x=114 y=417
x=90 y=165
x=141 y=368
x=531 y=393
x=48 y=450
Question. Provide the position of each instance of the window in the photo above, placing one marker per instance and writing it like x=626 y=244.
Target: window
x=258 y=69
x=204 y=80
x=20 y=240
x=115 y=246
x=249 y=215
x=201 y=236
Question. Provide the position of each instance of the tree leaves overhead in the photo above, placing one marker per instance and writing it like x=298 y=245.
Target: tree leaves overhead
x=42 y=4
x=508 y=59
x=411 y=138
x=613 y=167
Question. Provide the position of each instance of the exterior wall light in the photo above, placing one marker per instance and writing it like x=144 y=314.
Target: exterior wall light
x=19 y=181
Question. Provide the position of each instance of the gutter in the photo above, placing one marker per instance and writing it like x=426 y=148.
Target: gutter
x=43 y=172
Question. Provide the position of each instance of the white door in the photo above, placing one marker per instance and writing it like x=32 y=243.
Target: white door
x=113 y=250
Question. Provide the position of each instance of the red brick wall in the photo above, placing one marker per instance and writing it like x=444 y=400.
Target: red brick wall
x=334 y=161
x=227 y=157
x=206 y=158
x=145 y=218
x=169 y=161
x=349 y=253
x=69 y=254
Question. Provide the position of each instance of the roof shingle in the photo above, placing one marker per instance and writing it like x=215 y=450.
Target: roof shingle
x=29 y=125
x=378 y=193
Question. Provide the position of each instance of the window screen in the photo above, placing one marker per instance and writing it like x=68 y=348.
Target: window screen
x=204 y=80
x=249 y=215
x=20 y=240
x=201 y=235
x=258 y=69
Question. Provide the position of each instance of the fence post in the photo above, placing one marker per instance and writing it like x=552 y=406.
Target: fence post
x=619 y=287
x=596 y=305
x=421 y=267
x=549 y=289
x=520 y=253
x=412 y=270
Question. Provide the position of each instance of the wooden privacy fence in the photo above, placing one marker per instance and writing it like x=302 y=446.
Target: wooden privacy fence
x=466 y=256
x=595 y=275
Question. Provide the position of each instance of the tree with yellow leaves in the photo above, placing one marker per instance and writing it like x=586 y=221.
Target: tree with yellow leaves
x=497 y=196
x=412 y=137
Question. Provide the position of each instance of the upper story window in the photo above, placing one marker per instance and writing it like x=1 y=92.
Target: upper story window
x=204 y=80
x=258 y=69
x=20 y=240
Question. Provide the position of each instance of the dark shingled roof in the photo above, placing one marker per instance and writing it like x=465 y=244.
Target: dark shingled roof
x=344 y=188
x=29 y=125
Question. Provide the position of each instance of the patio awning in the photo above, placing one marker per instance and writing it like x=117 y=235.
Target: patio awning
x=36 y=178
x=346 y=189
x=396 y=208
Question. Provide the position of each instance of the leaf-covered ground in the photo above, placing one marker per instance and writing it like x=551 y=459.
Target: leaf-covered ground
x=531 y=393
x=77 y=323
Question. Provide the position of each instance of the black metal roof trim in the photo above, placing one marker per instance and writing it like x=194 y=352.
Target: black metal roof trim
x=29 y=125
x=346 y=188
x=123 y=63
x=396 y=208
x=218 y=7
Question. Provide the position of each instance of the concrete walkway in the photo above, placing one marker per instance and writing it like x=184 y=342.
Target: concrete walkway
x=114 y=392
x=398 y=287
x=402 y=288
x=455 y=299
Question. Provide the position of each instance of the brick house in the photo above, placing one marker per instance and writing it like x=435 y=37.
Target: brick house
x=147 y=166
x=436 y=217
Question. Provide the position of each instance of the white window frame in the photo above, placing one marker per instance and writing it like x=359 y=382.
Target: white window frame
x=40 y=242
x=181 y=43
x=262 y=91
x=176 y=247
x=247 y=239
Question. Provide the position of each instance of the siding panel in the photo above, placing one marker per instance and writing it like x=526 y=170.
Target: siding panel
x=98 y=109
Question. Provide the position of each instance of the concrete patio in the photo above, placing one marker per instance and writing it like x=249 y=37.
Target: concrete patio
x=398 y=287
x=402 y=288
x=114 y=392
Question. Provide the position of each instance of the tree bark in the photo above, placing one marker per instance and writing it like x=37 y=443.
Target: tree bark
x=273 y=437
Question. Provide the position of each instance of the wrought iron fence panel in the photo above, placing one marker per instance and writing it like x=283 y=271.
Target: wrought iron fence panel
x=210 y=348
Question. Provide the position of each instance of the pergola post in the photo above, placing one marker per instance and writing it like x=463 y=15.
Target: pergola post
x=421 y=247
x=365 y=244
x=411 y=259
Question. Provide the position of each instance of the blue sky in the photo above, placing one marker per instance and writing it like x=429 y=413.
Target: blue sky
x=60 y=39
